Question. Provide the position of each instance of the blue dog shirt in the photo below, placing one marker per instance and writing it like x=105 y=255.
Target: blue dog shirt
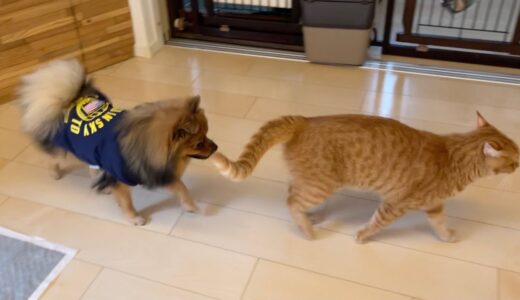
x=89 y=133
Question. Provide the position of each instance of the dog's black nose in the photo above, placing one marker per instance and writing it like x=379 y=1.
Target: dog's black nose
x=214 y=147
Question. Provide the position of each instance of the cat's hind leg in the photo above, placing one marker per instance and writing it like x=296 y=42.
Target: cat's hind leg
x=300 y=200
x=439 y=226
x=385 y=214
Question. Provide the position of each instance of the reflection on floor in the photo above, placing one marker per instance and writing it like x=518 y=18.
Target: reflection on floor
x=244 y=245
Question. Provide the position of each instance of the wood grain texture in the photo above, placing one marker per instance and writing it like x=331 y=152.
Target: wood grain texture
x=98 y=32
x=105 y=31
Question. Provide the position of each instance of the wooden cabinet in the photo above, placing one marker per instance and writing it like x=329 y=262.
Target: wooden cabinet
x=98 y=32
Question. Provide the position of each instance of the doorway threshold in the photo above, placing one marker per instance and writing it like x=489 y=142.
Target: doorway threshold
x=374 y=64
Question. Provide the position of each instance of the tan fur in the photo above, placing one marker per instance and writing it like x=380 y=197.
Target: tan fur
x=164 y=133
x=151 y=140
x=45 y=93
x=409 y=168
x=157 y=140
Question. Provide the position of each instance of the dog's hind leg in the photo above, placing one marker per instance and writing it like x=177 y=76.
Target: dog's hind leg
x=95 y=172
x=124 y=199
x=178 y=188
x=57 y=162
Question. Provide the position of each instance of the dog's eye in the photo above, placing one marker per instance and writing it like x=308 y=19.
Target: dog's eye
x=199 y=145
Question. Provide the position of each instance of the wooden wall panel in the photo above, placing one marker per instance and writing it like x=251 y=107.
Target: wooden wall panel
x=98 y=32
x=30 y=32
x=105 y=31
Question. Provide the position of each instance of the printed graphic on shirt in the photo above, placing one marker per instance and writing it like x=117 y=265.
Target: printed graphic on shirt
x=89 y=114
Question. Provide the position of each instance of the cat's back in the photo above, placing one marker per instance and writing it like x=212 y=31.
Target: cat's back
x=355 y=136
x=355 y=125
x=348 y=147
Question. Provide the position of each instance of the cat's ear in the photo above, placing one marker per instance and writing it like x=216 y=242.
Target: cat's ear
x=481 y=122
x=492 y=150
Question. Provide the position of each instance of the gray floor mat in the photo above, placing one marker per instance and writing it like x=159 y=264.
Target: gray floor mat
x=25 y=266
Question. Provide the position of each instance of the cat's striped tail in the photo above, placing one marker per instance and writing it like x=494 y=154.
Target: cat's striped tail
x=273 y=132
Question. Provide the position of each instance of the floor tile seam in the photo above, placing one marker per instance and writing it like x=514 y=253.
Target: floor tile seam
x=162 y=65
x=333 y=277
x=396 y=68
x=2 y=203
x=150 y=280
x=253 y=103
x=13 y=130
x=112 y=68
x=146 y=81
x=248 y=282
x=499 y=279
x=387 y=65
x=325 y=84
x=365 y=112
x=20 y=153
x=347 y=235
x=483 y=265
x=188 y=84
x=189 y=67
x=265 y=258
x=98 y=273
x=381 y=241
x=461 y=74
x=260 y=258
x=446 y=214
x=175 y=223
x=247 y=211
x=198 y=76
x=95 y=218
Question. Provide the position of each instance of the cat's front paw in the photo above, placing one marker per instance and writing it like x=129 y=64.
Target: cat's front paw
x=362 y=236
x=450 y=236
x=316 y=217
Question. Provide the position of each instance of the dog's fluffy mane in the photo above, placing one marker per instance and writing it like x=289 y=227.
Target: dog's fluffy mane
x=146 y=139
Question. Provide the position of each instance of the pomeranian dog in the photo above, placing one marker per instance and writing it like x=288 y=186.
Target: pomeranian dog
x=149 y=145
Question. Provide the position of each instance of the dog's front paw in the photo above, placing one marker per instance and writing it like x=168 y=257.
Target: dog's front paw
x=57 y=174
x=137 y=221
x=450 y=236
x=105 y=191
x=189 y=205
x=191 y=208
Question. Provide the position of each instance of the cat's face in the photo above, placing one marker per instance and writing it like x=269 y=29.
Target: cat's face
x=501 y=153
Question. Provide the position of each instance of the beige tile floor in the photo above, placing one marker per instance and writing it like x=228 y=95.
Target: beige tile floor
x=243 y=245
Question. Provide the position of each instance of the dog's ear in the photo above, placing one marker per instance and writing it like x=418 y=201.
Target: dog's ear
x=192 y=105
x=188 y=126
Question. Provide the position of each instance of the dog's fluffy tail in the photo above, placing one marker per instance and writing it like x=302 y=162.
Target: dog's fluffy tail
x=274 y=132
x=45 y=93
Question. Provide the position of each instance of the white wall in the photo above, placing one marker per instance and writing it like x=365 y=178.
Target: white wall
x=147 y=26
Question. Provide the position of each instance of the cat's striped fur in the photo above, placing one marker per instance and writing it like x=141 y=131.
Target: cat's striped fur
x=409 y=168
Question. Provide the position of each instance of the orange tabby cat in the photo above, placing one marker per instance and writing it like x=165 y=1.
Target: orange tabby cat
x=409 y=168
